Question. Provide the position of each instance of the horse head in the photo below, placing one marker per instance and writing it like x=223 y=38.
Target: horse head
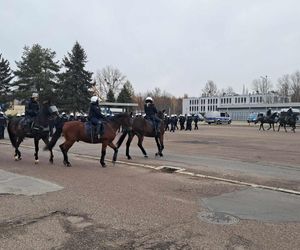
x=125 y=119
x=47 y=112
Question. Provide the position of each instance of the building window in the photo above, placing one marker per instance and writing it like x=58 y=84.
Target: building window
x=250 y=99
x=260 y=99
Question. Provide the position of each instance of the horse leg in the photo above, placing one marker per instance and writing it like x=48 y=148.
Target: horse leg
x=129 y=140
x=140 y=144
x=36 y=147
x=269 y=126
x=115 y=148
x=273 y=126
x=46 y=141
x=284 y=125
x=158 y=147
x=17 y=151
x=103 y=153
x=64 y=149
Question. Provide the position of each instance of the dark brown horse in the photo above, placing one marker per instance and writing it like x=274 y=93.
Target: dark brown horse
x=142 y=127
x=18 y=129
x=76 y=131
x=265 y=119
x=285 y=119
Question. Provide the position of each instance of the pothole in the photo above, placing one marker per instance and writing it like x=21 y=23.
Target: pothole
x=169 y=169
x=218 y=218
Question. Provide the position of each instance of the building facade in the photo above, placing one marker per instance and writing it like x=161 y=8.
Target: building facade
x=237 y=106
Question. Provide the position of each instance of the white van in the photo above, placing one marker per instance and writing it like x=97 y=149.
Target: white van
x=217 y=117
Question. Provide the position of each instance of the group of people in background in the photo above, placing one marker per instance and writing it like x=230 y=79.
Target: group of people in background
x=185 y=122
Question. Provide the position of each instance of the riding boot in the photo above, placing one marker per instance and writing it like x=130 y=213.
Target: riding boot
x=98 y=133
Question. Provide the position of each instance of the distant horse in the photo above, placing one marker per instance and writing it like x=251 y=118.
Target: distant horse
x=264 y=119
x=79 y=131
x=17 y=130
x=284 y=120
x=142 y=127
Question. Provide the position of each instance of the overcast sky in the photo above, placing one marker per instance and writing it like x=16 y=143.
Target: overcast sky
x=174 y=45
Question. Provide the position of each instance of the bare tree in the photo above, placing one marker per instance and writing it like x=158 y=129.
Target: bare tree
x=228 y=91
x=107 y=79
x=210 y=89
x=295 y=86
x=262 y=85
x=284 y=85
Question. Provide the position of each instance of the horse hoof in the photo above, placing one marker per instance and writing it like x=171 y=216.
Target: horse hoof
x=103 y=165
x=156 y=154
x=16 y=158
x=51 y=161
x=67 y=164
x=36 y=161
x=161 y=155
x=129 y=157
x=146 y=156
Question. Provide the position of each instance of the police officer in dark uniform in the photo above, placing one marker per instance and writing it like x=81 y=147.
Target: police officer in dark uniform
x=189 y=120
x=196 y=120
x=31 y=110
x=290 y=112
x=95 y=116
x=181 y=121
x=151 y=113
x=269 y=112
x=2 y=124
x=173 y=123
x=166 y=122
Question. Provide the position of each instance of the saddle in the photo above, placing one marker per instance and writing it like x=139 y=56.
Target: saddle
x=31 y=127
x=154 y=125
x=94 y=131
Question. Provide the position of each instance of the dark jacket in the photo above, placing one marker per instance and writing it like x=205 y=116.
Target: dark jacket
x=2 y=120
x=269 y=112
x=150 y=110
x=95 y=112
x=290 y=112
x=32 y=108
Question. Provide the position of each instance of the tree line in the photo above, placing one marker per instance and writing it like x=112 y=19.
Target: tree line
x=68 y=83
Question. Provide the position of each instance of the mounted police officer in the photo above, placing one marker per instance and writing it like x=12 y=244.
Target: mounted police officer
x=290 y=112
x=32 y=109
x=151 y=113
x=95 y=116
x=269 y=112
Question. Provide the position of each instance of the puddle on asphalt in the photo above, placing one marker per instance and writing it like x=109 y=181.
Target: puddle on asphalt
x=255 y=204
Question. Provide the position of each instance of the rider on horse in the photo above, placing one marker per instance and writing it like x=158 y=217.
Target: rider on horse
x=31 y=110
x=95 y=115
x=269 y=112
x=289 y=114
x=151 y=113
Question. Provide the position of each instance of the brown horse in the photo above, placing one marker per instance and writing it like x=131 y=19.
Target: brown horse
x=142 y=127
x=76 y=131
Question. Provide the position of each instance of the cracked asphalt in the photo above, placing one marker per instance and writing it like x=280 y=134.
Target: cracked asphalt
x=128 y=207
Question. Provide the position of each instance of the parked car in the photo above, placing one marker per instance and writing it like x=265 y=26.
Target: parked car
x=217 y=117
x=252 y=117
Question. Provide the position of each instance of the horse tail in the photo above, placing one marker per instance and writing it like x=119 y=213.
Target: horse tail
x=121 y=139
x=11 y=134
